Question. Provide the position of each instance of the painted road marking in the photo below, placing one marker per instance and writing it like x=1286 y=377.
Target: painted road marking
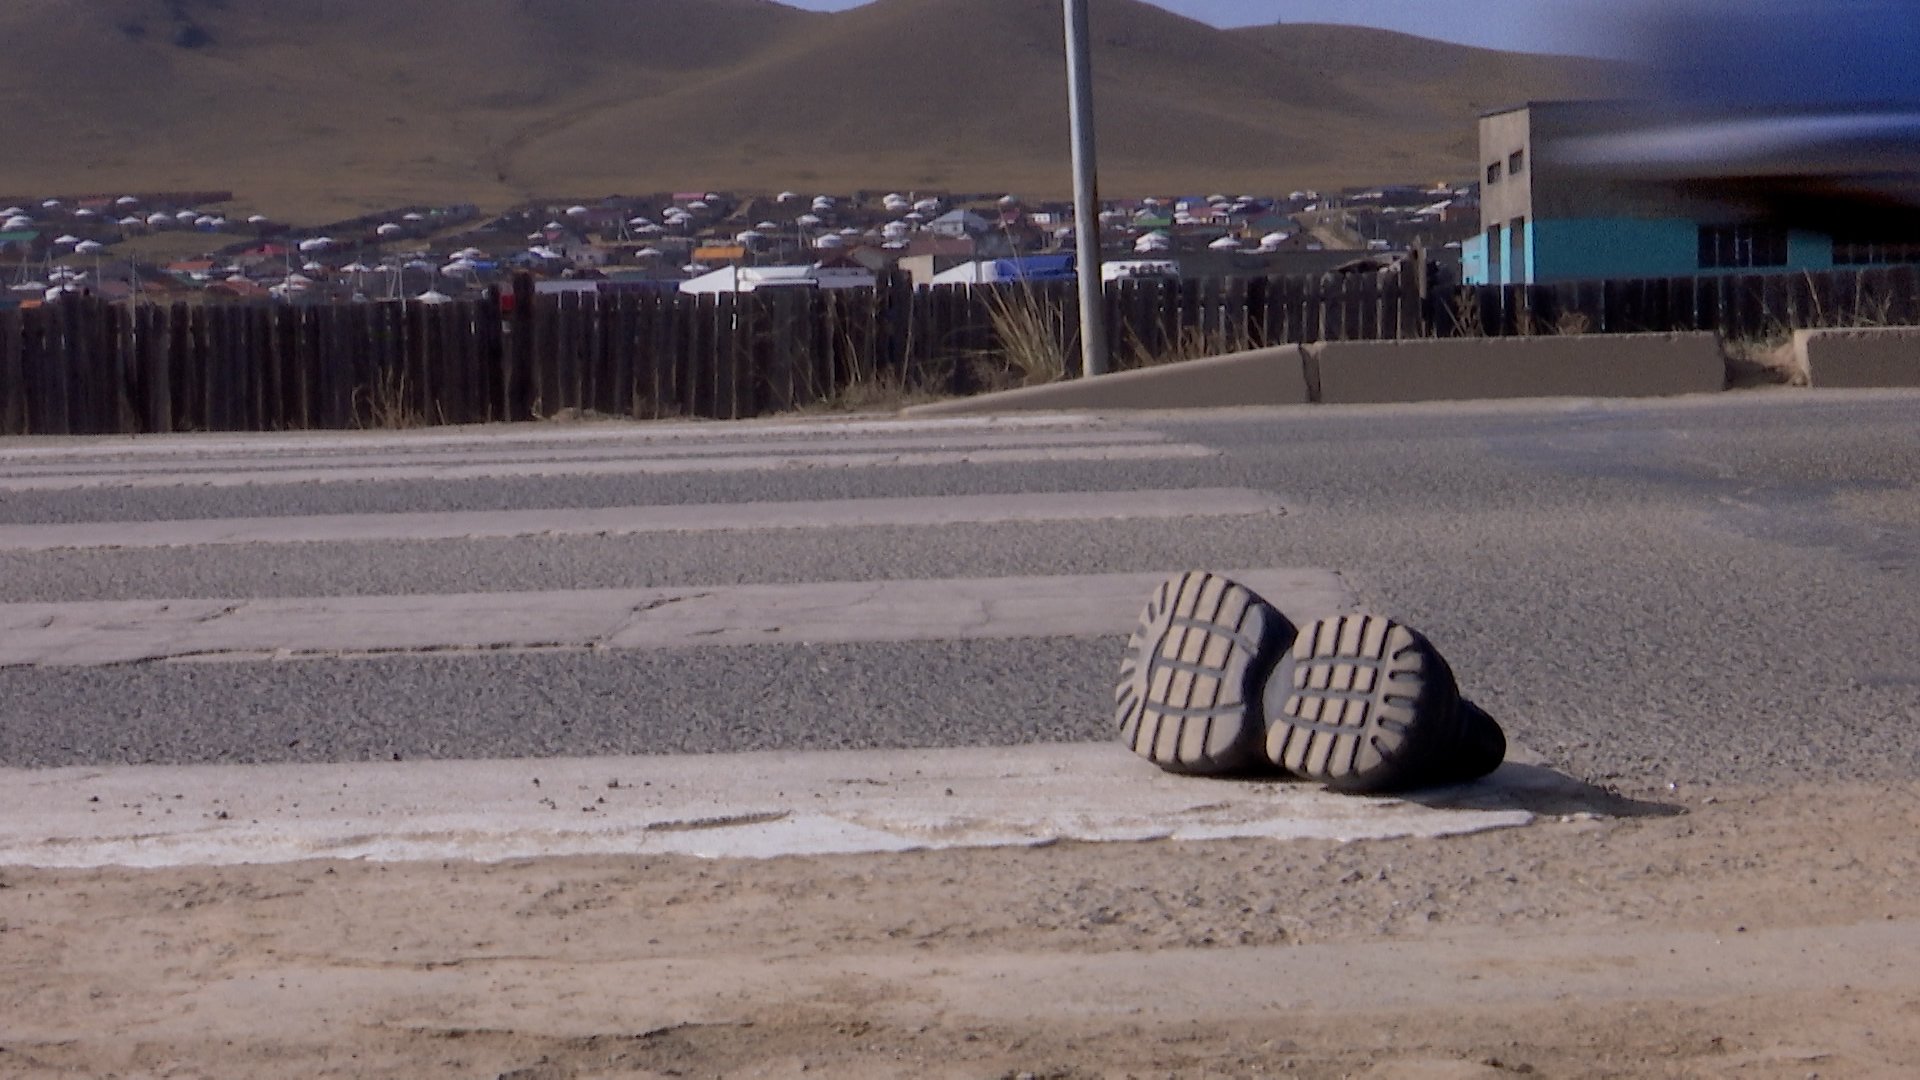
x=668 y=449
x=848 y=459
x=92 y=633
x=194 y=444
x=715 y=806
x=630 y=520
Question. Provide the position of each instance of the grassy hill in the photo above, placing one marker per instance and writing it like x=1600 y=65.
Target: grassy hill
x=327 y=107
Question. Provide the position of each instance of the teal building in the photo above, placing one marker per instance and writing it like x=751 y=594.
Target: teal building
x=1548 y=214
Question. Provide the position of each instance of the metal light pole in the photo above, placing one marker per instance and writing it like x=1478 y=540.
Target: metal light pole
x=1086 y=191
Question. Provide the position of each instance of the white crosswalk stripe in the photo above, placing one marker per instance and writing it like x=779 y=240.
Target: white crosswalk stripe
x=53 y=640
x=302 y=460
x=1086 y=605
x=631 y=520
x=657 y=466
x=254 y=445
x=281 y=457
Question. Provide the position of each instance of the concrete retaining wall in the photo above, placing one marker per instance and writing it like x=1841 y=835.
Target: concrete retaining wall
x=1452 y=369
x=1876 y=357
x=1423 y=369
x=1275 y=376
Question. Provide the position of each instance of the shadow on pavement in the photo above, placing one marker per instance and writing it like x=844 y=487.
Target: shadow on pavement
x=1540 y=790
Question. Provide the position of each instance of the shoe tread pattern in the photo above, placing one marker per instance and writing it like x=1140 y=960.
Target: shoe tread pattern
x=1188 y=696
x=1358 y=703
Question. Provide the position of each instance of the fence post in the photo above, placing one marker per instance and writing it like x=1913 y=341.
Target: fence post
x=125 y=336
x=726 y=356
x=675 y=321
x=1366 y=323
x=594 y=374
x=222 y=382
x=617 y=398
x=517 y=377
x=1712 y=299
x=543 y=356
x=697 y=351
x=576 y=343
x=646 y=360
x=160 y=388
x=1286 y=320
x=1752 y=299
x=1682 y=310
x=44 y=398
x=452 y=330
x=337 y=353
x=1776 y=303
x=205 y=367
x=66 y=334
x=246 y=372
x=75 y=343
x=1353 y=304
x=1313 y=307
x=259 y=359
x=1903 y=295
x=1659 y=309
x=13 y=375
x=427 y=331
x=1411 y=318
x=952 y=345
x=922 y=343
x=180 y=366
x=270 y=349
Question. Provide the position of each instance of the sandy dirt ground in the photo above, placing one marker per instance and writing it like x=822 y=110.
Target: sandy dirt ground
x=1716 y=932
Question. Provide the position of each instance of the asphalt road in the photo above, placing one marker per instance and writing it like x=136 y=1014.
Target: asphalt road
x=1703 y=591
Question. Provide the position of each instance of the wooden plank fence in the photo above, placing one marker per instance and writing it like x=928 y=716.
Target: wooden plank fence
x=82 y=366
x=1737 y=306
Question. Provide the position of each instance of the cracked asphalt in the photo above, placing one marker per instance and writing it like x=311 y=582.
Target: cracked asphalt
x=1691 y=592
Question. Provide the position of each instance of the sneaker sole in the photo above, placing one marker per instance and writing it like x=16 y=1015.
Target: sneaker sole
x=1188 y=697
x=1360 y=703
x=1480 y=748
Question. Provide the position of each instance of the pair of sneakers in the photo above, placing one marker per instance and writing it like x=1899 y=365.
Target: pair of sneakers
x=1217 y=681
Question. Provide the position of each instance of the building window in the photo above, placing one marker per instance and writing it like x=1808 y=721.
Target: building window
x=1493 y=173
x=1733 y=247
x=1858 y=249
x=1516 y=163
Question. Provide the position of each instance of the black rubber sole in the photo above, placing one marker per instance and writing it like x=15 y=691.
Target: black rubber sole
x=1362 y=703
x=1479 y=748
x=1189 y=694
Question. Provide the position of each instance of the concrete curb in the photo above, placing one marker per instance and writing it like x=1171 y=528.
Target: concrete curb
x=1870 y=358
x=1274 y=376
x=1461 y=369
x=1382 y=372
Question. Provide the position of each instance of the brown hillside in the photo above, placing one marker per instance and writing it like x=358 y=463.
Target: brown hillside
x=1425 y=84
x=326 y=106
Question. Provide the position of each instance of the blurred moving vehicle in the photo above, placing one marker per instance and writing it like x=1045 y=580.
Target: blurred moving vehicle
x=1804 y=112
x=1763 y=136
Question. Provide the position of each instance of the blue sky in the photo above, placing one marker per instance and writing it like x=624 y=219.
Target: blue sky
x=1576 y=26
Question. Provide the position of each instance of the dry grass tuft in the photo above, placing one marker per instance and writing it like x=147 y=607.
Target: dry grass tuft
x=1767 y=360
x=1572 y=322
x=1467 y=320
x=878 y=392
x=863 y=386
x=1031 y=331
x=1194 y=343
x=387 y=404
